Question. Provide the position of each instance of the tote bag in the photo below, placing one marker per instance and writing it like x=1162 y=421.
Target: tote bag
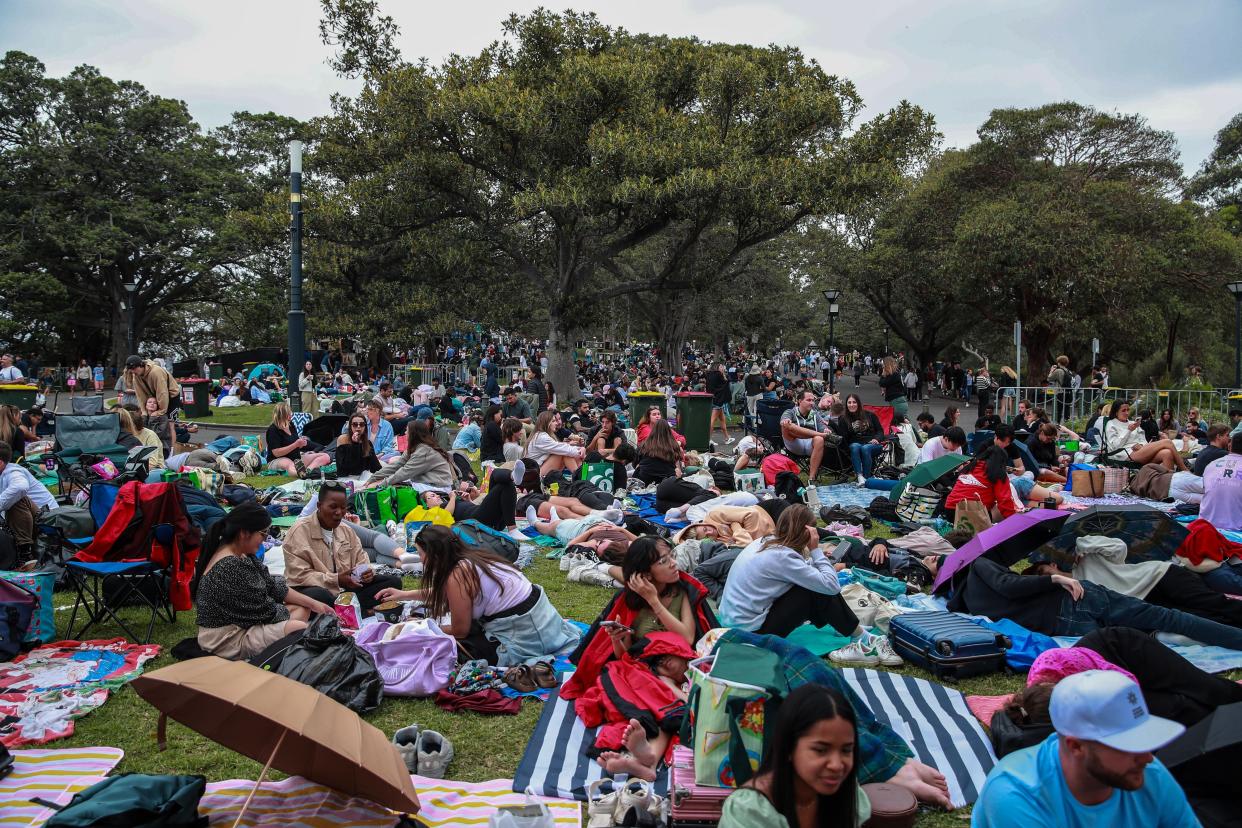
x=416 y=663
x=600 y=475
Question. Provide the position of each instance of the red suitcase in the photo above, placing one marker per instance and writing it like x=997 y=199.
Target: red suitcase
x=692 y=805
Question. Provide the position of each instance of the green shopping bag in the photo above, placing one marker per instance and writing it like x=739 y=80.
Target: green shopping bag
x=405 y=499
x=371 y=505
x=732 y=692
x=599 y=475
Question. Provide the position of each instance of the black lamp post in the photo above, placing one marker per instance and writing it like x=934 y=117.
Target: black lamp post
x=297 y=318
x=130 y=289
x=886 y=342
x=1236 y=289
x=833 y=309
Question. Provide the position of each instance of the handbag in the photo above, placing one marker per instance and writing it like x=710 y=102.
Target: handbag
x=1116 y=480
x=918 y=504
x=748 y=481
x=1087 y=483
x=533 y=814
x=43 y=624
x=972 y=515
x=418 y=662
x=600 y=475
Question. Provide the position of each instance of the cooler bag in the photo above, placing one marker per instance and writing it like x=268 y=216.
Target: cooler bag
x=43 y=623
x=18 y=606
x=692 y=805
x=948 y=645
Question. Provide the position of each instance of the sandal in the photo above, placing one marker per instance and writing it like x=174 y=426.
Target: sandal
x=600 y=805
x=300 y=468
x=521 y=679
x=544 y=675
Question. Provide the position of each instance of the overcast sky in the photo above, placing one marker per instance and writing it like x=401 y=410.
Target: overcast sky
x=1174 y=61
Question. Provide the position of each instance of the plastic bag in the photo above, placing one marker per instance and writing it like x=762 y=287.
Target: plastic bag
x=327 y=660
x=534 y=814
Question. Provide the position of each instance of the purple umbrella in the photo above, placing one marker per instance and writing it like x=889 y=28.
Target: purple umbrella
x=1007 y=542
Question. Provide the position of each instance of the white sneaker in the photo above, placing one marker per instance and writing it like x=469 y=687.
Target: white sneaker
x=435 y=751
x=593 y=576
x=888 y=656
x=569 y=560
x=856 y=654
x=862 y=482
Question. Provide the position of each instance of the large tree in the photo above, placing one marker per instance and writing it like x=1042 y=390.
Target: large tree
x=569 y=144
x=1219 y=181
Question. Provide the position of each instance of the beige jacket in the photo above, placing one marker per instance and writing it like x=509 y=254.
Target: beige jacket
x=735 y=525
x=309 y=562
x=157 y=383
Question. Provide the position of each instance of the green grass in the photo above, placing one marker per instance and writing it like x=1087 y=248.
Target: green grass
x=255 y=415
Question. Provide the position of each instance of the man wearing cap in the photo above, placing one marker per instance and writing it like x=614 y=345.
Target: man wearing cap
x=148 y=379
x=1096 y=770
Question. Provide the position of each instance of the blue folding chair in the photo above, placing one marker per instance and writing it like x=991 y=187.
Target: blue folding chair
x=102 y=498
x=141 y=582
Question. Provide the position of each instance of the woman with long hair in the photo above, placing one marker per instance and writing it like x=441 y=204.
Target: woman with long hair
x=81 y=378
x=1007 y=382
x=497 y=614
x=862 y=436
x=894 y=386
x=951 y=413
x=660 y=456
x=549 y=453
x=285 y=451
x=647 y=422
x=11 y=429
x=132 y=423
x=354 y=452
x=242 y=608
x=424 y=465
x=808 y=777
x=306 y=388
x=492 y=441
x=1124 y=440
x=987 y=482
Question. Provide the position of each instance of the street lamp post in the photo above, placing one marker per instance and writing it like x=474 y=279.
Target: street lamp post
x=1236 y=289
x=297 y=319
x=833 y=309
x=886 y=342
x=130 y=289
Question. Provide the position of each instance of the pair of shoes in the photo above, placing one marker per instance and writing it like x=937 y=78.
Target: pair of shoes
x=592 y=575
x=521 y=678
x=860 y=654
x=578 y=558
x=545 y=675
x=424 y=752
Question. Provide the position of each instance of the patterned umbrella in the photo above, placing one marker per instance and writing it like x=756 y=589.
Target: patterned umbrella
x=1150 y=535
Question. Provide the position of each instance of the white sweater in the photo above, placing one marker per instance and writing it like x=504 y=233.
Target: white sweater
x=1103 y=562
x=542 y=445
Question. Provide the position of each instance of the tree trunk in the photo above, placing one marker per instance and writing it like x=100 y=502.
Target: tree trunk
x=1038 y=342
x=1171 y=342
x=561 y=369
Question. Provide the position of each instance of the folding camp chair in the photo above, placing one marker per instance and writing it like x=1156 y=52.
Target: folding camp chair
x=78 y=434
x=59 y=548
x=87 y=406
x=1113 y=457
x=141 y=581
x=765 y=427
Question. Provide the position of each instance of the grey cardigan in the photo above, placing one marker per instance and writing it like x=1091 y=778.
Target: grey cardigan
x=424 y=465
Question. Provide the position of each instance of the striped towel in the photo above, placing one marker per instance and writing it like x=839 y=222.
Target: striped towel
x=933 y=719
x=444 y=803
x=54 y=775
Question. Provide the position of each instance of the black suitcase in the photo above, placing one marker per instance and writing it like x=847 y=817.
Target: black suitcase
x=947 y=645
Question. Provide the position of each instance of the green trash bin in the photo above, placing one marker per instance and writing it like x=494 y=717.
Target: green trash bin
x=640 y=401
x=694 y=418
x=215 y=370
x=19 y=394
x=195 y=397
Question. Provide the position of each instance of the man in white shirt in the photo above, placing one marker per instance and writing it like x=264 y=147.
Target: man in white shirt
x=950 y=442
x=8 y=371
x=22 y=499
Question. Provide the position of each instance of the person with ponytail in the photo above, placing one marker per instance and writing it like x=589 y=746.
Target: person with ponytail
x=243 y=608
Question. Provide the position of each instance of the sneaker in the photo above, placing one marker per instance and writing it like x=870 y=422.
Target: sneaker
x=435 y=752
x=569 y=560
x=888 y=656
x=406 y=740
x=601 y=806
x=592 y=576
x=856 y=654
x=862 y=482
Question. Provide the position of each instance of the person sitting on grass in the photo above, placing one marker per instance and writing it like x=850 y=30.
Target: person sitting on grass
x=551 y=455
x=497 y=614
x=950 y=441
x=288 y=453
x=512 y=431
x=354 y=453
x=1125 y=440
x=323 y=558
x=809 y=775
x=131 y=424
x=987 y=482
x=648 y=421
x=242 y=608
x=660 y=456
x=424 y=465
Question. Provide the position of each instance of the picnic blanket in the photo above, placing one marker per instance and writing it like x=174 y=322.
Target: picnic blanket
x=934 y=720
x=444 y=802
x=54 y=775
x=1079 y=503
x=846 y=494
x=44 y=690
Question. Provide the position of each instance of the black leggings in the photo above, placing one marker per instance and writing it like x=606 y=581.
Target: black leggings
x=676 y=491
x=1174 y=688
x=498 y=505
x=366 y=594
x=799 y=605
x=590 y=495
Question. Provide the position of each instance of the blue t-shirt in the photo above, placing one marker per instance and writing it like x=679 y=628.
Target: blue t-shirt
x=469 y=438
x=1027 y=789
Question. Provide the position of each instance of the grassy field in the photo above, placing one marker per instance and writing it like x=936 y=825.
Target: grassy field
x=487 y=747
x=253 y=415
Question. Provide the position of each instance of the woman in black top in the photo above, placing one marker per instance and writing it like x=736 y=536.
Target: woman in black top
x=950 y=417
x=286 y=452
x=491 y=446
x=659 y=456
x=862 y=435
x=354 y=452
x=894 y=387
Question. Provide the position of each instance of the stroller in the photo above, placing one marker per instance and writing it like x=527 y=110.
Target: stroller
x=765 y=428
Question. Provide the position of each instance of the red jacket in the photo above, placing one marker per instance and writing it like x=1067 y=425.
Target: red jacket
x=990 y=494
x=1205 y=544
x=596 y=648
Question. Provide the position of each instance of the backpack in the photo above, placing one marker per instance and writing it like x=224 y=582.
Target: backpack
x=17 y=610
x=133 y=800
x=790 y=487
x=473 y=533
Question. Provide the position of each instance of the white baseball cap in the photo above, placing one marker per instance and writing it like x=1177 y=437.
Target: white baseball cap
x=1107 y=707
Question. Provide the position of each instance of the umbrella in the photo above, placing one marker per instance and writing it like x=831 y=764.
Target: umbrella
x=924 y=474
x=1150 y=534
x=1007 y=542
x=286 y=724
x=1204 y=760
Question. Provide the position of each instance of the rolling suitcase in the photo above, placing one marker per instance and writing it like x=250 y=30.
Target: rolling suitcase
x=692 y=805
x=947 y=645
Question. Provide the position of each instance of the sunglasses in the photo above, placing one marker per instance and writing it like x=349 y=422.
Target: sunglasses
x=357 y=425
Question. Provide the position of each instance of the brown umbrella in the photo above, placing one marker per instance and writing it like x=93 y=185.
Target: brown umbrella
x=287 y=725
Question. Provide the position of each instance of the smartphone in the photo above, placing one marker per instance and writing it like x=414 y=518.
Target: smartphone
x=615 y=625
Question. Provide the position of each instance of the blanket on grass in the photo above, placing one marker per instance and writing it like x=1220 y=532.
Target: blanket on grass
x=43 y=691
x=54 y=775
x=444 y=803
x=934 y=720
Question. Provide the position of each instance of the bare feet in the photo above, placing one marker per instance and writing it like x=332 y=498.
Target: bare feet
x=925 y=782
x=635 y=739
x=615 y=763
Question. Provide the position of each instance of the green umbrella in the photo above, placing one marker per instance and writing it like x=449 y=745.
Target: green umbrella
x=924 y=474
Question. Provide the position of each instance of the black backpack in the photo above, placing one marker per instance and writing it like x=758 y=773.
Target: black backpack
x=790 y=487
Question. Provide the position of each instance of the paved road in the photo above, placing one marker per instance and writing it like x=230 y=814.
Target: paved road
x=872 y=395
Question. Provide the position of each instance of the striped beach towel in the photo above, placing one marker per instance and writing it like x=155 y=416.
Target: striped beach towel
x=302 y=802
x=933 y=719
x=54 y=775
